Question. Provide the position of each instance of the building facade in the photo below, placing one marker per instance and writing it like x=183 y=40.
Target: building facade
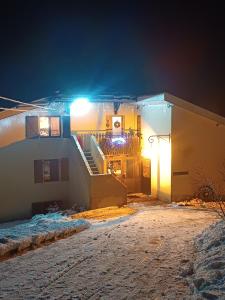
x=92 y=153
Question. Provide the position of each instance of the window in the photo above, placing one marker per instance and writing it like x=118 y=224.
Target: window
x=49 y=126
x=115 y=167
x=51 y=170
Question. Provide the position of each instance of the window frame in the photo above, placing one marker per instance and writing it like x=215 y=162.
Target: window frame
x=50 y=131
x=61 y=175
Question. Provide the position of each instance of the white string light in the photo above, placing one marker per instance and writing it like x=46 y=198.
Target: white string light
x=27 y=104
x=15 y=109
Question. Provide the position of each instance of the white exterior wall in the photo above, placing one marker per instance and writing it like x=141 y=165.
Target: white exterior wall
x=156 y=120
x=95 y=119
x=17 y=188
x=13 y=126
x=198 y=147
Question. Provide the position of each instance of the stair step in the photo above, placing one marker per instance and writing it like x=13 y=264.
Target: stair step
x=91 y=162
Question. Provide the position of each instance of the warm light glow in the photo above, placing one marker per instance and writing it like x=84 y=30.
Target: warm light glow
x=44 y=126
x=159 y=152
x=80 y=107
x=146 y=153
x=165 y=165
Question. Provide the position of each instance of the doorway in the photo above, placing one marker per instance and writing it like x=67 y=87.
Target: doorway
x=146 y=176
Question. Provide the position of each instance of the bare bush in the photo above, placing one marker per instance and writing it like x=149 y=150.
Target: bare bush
x=209 y=190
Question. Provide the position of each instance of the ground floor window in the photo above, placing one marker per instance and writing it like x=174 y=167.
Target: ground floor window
x=115 y=167
x=49 y=170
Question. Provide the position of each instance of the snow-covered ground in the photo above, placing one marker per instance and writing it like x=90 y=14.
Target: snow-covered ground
x=209 y=266
x=17 y=236
x=147 y=255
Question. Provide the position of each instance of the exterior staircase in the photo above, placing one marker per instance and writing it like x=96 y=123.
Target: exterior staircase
x=91 y=162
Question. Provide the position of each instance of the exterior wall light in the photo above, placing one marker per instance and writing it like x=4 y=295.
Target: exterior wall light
x=80 y=107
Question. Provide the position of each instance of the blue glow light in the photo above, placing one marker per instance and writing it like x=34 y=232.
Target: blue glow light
x=80 y=106
x=118 y=140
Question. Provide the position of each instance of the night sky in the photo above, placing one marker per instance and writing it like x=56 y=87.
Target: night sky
x=119 y=47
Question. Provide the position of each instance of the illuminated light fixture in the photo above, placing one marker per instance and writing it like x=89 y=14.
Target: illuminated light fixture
x=80 y=107
x=118 y=140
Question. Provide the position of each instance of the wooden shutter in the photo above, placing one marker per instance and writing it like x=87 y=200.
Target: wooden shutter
x=66 y=126
x=54 y=170
x=32 y=127
x=64 y=169
x=108 y=124
x=38 y=171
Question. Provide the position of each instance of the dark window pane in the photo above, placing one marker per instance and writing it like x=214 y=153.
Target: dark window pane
x=54 y=169
x=46 y=170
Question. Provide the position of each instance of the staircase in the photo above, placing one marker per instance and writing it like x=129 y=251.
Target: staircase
x=91 y=162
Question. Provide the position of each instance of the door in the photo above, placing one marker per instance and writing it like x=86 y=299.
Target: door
x=146 y=176
x=117 y=125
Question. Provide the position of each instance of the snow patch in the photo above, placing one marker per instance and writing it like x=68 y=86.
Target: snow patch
x=39 y=229
x=209 y=266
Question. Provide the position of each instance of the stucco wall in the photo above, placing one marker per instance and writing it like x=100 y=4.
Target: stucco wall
x=156 y=120
x=106 y=190
x=13 y=127
x=17 y=188
x=198 y=146
x=95 y=119
x=80 y=178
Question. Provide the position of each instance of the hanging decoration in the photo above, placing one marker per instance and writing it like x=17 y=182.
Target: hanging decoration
x=117 y=124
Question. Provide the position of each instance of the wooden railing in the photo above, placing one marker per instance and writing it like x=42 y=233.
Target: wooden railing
x=128 y=142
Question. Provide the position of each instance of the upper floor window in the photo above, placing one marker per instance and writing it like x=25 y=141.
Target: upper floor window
x=49 y=126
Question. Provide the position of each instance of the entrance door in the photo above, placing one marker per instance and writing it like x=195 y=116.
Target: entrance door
x=117 y=125
x=146 y=176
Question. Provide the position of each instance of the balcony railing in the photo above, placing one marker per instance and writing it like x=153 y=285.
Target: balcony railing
x=127 y=143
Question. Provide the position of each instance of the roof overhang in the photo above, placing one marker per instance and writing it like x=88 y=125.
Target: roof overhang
x=166 y=98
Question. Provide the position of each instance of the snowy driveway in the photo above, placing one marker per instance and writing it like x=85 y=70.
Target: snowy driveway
x=136 y=257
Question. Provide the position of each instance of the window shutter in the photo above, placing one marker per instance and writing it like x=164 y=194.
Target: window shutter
x=66 y=126
x=32 y=127
x=54 y=170
x=38 y=171
x=64 y=169
x=108 y=123
x=122 y=124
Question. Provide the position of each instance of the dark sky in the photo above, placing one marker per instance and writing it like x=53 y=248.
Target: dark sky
x=121 y=47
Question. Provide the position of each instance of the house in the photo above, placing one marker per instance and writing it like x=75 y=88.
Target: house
x=92 y=153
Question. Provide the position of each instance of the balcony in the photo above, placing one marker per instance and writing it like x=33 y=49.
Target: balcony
x=128 y=143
